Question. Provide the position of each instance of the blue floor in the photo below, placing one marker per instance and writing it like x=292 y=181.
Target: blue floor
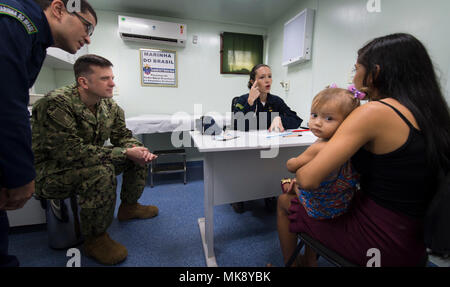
x=173 y=237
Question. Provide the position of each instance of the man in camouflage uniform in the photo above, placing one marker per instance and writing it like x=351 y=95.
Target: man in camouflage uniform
x=70 y=126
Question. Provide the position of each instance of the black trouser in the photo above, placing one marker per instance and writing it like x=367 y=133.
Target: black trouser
x=5 y=259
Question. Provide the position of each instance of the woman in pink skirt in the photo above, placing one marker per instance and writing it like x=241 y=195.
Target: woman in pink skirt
x=396 y=142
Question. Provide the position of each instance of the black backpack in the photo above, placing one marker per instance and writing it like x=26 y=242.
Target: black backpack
x=437 y=219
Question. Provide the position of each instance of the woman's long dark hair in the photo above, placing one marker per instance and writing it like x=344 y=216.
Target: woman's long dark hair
x=406 y=73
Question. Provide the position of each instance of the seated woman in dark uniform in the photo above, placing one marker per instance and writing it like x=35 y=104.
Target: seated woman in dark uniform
x=267 y=112
x=259 y=100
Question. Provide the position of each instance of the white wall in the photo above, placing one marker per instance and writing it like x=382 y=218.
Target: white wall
x=45 y=80
x=342 y=27
x=199 y=78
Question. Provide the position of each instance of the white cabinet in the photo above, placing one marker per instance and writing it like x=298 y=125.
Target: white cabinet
x=60 y=59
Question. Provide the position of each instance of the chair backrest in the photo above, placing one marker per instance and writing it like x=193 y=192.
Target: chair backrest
x=233 y=103
x=233 y=121
x=436 y=229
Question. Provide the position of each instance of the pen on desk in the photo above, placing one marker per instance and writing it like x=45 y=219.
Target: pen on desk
x=279 y=135
x=297 y=131
x=291 y=136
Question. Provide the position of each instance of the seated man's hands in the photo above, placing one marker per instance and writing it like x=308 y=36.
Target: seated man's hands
x=140 y=155
x=15 y=198
x=277 y=125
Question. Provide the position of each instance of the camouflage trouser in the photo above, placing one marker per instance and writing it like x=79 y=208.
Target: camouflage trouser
x=96 y=189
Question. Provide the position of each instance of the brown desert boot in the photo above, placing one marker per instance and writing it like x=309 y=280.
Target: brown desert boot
x=105 y=250
x=136 y=210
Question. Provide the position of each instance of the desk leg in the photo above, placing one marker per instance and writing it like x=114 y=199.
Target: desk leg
x=206 y=224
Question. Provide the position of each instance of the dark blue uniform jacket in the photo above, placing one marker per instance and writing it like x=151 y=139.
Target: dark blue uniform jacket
x=274 y=104
x=24 y=37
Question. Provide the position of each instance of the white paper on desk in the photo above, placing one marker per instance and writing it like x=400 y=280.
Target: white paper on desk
x=225 y=137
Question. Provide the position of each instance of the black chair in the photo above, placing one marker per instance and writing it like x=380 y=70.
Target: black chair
x=63 y=222
x=173 y=167
x=331 y=256
x=233 y=103
x=321 y=250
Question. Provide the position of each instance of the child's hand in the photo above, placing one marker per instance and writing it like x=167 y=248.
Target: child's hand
x=293 y=187
x=289 y=185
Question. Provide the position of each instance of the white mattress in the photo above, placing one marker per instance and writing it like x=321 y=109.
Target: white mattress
x=162 y=123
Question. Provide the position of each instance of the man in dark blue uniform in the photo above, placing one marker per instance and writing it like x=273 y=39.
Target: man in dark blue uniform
x=27 y=29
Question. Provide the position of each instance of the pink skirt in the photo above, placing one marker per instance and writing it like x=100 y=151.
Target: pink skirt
x=366 y=225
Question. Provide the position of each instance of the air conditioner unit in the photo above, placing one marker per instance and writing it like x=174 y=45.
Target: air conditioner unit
x=146 y=30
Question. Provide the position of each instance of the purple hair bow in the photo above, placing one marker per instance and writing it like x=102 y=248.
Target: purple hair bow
x=358 y=94
x=333 y=86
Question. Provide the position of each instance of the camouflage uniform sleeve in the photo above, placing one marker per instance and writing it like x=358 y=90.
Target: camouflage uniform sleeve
x=120 y=135
x=60 y=135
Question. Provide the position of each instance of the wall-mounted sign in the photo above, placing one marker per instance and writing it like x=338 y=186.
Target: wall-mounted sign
x=158 y=68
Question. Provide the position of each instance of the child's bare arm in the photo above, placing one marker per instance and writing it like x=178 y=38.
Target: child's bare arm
x=297 y=162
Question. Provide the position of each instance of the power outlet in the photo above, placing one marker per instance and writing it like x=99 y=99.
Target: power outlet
x=287 y=86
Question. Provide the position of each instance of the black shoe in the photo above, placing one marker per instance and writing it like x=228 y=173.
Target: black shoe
x=238 y=207
x=271 y=204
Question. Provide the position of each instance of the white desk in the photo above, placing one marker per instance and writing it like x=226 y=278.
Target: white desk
x=242 y=169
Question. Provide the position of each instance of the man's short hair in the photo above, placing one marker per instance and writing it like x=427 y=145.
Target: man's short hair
x=83 y=64
x=84 y=6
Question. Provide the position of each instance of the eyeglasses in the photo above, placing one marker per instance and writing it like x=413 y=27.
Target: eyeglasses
x=89 y=26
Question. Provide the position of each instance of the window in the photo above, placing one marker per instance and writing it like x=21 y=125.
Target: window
x=240 y=52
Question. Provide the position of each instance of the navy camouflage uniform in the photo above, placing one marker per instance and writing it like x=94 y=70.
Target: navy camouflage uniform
x=71 y=156
x=274 y=104
x=24 y=37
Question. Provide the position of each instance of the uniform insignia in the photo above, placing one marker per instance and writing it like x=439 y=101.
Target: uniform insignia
x=61 y=117
x=239 y=106
x=21 y=17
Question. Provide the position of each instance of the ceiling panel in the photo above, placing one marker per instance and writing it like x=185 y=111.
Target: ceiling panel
x=249 y=12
